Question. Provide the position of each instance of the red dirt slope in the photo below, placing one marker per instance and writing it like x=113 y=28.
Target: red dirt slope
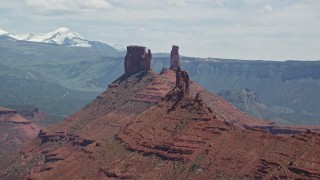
x=129 y=132
x=210 y=147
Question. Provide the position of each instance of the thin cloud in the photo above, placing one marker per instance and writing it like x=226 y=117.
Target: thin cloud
x=269 y=8
x=178 y=3
x=71 y=5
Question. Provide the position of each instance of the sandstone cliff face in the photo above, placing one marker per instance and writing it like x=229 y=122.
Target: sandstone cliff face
x=137 y=59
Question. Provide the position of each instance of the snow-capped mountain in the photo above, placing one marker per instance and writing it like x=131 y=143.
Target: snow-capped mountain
x=55 y=37
x=61 y=36
x=2 y=32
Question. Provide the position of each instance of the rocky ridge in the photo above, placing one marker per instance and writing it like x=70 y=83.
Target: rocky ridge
x=147 y=125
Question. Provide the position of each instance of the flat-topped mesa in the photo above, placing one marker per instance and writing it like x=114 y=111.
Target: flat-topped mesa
x=175 y=59
x=137 y=59
x=4 y=110
x=182 y=82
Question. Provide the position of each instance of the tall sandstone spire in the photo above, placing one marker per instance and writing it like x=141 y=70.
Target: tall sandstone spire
x=175 y=59
x=182 y=82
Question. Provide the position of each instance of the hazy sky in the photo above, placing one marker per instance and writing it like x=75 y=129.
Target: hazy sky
x=243 y=29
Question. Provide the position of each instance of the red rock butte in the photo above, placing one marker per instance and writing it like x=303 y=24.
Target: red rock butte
x=15 y=131
x=137 y=59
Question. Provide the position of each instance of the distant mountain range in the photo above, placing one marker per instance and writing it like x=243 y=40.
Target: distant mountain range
x=61 y=36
